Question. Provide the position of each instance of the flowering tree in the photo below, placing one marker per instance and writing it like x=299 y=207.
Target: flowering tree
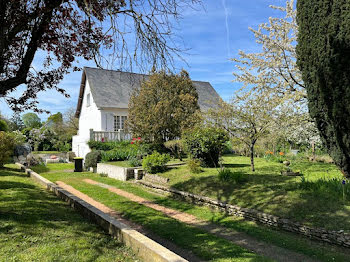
x=67 y=29
x=248 y=117
x=274 y=69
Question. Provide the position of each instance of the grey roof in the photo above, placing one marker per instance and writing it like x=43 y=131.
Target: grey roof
x=112 y=89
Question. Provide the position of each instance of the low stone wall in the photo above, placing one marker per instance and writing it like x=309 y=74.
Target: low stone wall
x=155 y=179
x=116 y=172
x=144 y=247
x=330 y=236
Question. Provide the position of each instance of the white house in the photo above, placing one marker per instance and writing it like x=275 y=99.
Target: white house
x=103 y=104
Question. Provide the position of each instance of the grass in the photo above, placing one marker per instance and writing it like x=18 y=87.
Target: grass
x=46 y=152
x=148 y=217
x=315 y=200
x=36 y=226
x=201 y=243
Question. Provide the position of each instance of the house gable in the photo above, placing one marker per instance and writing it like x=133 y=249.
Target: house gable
x=112 y=89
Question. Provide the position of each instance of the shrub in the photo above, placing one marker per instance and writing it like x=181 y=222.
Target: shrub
x=205 y=144
x=194 y=165
x=134 y=162
x=3 y=125
x=228 y=148
x=93 y=158
x=226 y=175
x=120 y=154
x=176 y=148
x=106 y=146
x=7 y=144
x=155 y=162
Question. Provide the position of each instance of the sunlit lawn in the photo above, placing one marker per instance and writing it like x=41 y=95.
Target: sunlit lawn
x=170 y=228
x=319 y=202
x=36 y=226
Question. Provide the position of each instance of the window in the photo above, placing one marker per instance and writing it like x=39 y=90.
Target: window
x=88 y=100
x=119 y=122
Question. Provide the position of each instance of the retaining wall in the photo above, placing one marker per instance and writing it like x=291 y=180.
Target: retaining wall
x=340 y=237
x=116 y=172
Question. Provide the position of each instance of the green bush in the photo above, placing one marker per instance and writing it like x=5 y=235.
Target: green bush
x=120 y=154
x=176 y=148
x=194 y=165
x=134 y=162
x=228 y=148
x=155 y=162
x=7 y=144
x=92 y=158
x=226 y=175
x=205 y=144
x=106 y=146
x=3 y=125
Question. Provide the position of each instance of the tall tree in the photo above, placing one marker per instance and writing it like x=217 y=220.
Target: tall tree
x=324 y=59
x=31 y=120
x=69 y=29
x=274 y=68
x=165 y=105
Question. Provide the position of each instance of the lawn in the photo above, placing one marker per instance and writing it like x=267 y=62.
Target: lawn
x=315 y=200
x=207 y=246
x=36 y=226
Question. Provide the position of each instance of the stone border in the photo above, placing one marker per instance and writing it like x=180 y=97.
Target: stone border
x=339 y=238
x=143 y=246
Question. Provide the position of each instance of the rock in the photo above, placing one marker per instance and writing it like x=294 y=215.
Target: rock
x=286 y=163
x=22 y=150
x=33 y=160
x=53 y=157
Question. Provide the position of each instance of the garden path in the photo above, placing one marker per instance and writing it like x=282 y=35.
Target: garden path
x=238 y=238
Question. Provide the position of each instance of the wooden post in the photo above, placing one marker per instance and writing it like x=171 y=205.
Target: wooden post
x=313 y=151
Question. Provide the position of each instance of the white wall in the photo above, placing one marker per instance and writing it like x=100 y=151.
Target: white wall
x=90 y=118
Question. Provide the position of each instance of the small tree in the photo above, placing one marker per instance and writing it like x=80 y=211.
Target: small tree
x=163 y=107
x=205 y=144
x=248 y=117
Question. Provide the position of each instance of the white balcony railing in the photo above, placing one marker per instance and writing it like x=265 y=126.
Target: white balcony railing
x=105 y=136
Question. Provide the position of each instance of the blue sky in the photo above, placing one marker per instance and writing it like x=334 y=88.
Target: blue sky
x=214 y=33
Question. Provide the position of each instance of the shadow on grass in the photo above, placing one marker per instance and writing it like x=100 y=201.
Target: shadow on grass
x=235 y=165
x=40 y=169
x=8 y=171
x=201 y=243
x=278 y=195
x=27 y=206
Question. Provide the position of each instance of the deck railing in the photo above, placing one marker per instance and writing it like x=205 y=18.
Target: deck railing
x=105 y=136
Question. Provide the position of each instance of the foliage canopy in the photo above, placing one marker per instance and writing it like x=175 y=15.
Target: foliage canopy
x=324 y=59
x=164 y=106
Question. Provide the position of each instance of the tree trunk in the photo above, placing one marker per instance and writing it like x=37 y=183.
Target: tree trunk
x=252 y=157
